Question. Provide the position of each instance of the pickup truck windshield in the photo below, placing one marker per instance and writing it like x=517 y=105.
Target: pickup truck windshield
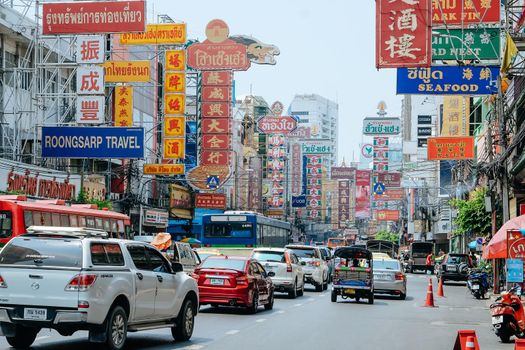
x=43 y=252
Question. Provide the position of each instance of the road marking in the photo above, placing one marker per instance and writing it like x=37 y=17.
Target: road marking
x=298 y=305
x=261 y=320
x=43 y=337
x=192 y=347
x=232 y=332
x=280 y=312
x=310 y=299
x=321 y=295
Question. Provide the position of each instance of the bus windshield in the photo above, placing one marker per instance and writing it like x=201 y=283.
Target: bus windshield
x=228 y=229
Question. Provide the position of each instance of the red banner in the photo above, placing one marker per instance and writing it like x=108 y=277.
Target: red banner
x=93 y=17
x=216 y=78
x=450 y=148
x=387 y=215
x=215 y=126
x=214 y=158
x=215 y=109
x=389 y=179
x=218 y=56
x=403 y=33
x=271 y=124
x=473 y=11
x=210 y=201
x=216 y=142
x=362 y=201
x=216 y=93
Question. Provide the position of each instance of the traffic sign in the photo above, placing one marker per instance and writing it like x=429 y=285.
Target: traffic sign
x=379 y=188
x=213 y=182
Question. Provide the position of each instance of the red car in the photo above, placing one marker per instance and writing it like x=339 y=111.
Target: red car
x=234 y=281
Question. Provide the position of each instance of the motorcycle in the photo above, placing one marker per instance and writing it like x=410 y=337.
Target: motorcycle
x=478 y=283
x=508 y=316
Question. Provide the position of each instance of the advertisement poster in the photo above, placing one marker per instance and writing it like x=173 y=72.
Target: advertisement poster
x=362 y=201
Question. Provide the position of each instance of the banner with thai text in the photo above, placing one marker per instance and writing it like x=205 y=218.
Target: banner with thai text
x=127 y=71
x=157 y=34
x=362 y=200
x=464 y=12
x=450 y=148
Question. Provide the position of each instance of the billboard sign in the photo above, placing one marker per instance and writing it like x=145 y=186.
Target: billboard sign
x=466 y=44
x=90 y=109
x=92 y=142
x=403 y=33
x=448 y=80
x=127 y=71
x=362 y=201
x=210 y=200
x=164 y=169
x=89 y=17
x=343 y=173
x=455 y=12
x=270 y=124
x=450 y=148
x=381 y=126
x=157 y=34
x=317 y=146
x=387 y=215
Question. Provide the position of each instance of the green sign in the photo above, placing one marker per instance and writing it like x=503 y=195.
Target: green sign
x=467 y=44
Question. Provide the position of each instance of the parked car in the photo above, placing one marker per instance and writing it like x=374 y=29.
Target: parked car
x=72 y=279
x=315 y=268
x=389 y=277
x=289 y=275
x=234 y=281
x=454 y=267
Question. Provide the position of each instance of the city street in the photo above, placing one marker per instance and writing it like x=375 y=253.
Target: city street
x=313 y=322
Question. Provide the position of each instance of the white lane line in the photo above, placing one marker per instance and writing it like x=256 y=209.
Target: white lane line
x=232 y=332
x=280 y=312
x=192 y=347
x=43 y=337
x=321 y=295
x=298 y=305
x=310 y=299
x=261 y=320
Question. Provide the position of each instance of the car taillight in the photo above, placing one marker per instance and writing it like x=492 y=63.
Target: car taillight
x=81 y=283
x=2 y=282
x=400 y=276
x=195 y=276
x=288 y=267
x=242 y=280
x=315 y=263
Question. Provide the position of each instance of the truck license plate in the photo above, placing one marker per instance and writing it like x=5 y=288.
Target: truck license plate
x=497 y=319
x=35 y=314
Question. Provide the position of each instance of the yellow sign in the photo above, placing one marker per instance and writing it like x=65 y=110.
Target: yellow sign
x=456 y=116
x=174 y=126
x=127 y=71
x=175 y=82
x=175 y=60
x=123 y=105
x=164 y=169
x=157 y=34
x=174 y=103
x=174 y=148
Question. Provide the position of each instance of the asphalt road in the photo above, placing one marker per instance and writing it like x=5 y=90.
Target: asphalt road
x=313 y=322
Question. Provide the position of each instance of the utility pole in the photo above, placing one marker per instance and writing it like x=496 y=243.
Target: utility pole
x=504 y=179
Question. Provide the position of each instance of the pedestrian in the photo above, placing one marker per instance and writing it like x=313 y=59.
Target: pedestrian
x=429 y=262
x=473 y=259
x=441 y=252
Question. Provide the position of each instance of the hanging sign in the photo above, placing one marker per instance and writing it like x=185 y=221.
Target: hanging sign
x=127 y=71
x=124 y=105
x=466 y=44
x=157 y=34
x=464 y=12
x=163 y=169
x=450 y=148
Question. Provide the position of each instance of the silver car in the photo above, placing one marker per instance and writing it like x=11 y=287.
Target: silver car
x=389 y=278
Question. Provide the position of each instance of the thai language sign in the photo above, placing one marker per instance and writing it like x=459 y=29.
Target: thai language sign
x=388 y=179
x=515 y=245
x=343 y=173
x=463 y=12
x=381 y=126
x=450 y=148
x=387 y=215
x=93 y=17
x=92 y=142
x=210 y=200
x=391 y=194
x=157 y=34
x=164 y=169
x=127 y=71
x=403 y=33
x=466 y=44
x=317 y=147
x=270 y=124
x=449 y=80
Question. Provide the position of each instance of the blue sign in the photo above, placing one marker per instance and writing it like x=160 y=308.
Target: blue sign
x=213 y=182
x=448 y=80
x=299 y=201
x=515 y=270
x=92 y=142
x=379 y=188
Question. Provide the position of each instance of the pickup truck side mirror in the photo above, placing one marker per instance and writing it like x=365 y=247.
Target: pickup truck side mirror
x=303 y=263
x=271 y=274
x=177 y=267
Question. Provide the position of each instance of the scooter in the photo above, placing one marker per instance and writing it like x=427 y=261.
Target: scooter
x=508 y=316
x=478 y=283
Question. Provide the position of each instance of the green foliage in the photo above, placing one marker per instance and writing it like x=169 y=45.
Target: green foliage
x=82 y=198
x=472 y=217
x=387 y=236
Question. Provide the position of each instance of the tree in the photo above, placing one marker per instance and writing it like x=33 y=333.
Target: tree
x=385 y=235
x=82 y=198
x=472 y=217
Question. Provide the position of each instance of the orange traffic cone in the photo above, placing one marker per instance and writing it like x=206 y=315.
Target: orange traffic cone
x=440 y=288
x=519 y=344
x=470 y=344
x=430 y=295
x=466 y=340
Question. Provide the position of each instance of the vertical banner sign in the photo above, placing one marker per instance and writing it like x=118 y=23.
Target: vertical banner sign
x=344 y=202
x=380 y=159
x=276 y=170
x=90 y=49
x=403 y=33
x=296 y=169
x=90 y=109
x=314 y=174
x=456 y=116
x=123 y=105
x=362 y=201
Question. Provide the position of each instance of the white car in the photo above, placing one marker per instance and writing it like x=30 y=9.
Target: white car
x=389 y=277
x=72 y=279
x=315 y=268
x=288 y=276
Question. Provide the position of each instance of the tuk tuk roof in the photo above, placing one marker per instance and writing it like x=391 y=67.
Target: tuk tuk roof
x=353 y=253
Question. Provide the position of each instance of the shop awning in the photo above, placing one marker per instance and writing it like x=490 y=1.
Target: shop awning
x=497 y=247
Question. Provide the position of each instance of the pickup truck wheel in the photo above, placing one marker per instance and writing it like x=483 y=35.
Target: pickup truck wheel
x=117 y=329
x=185 y=322
x=25 y=336
x=319 y=287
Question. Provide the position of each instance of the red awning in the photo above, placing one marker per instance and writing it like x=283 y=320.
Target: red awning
x=497 y=247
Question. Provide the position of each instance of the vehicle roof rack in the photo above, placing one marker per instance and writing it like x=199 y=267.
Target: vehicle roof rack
x=79 y=232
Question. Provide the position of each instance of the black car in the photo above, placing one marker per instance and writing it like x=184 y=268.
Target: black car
x=454 y=267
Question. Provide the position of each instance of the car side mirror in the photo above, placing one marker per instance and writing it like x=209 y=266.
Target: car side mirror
x=177 y=267
x=271 y=274
x=303 y=263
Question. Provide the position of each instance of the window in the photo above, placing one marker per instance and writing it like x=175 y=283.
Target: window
x=106 y=254
x=55 y=219
x=255 y=269
x=305 y=253
x=47 y=219
x=73 y=220
x=28 y=218
x=228 y=230
x=82 y=221
x=43 y=252
x=269 y=256
x=120 y=226
x=90 y=221
x=107 y=225
x=114 y=228
x=64 y=220
x=98 y=222
x=221 y=263
x=138 y=255
x=6 y=224
x=37 y=218
x=157 y=261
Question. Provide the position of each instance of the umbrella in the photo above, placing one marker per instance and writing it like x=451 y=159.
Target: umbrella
x=191 y=240
x=497 y=247
x=162 y=241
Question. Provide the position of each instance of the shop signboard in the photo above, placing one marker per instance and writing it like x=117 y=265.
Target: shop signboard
x=448 y=80
x=515 y=244
x=127 y=71
x=362 y=210
x=90 y=109
x=387 y=215
x=424 y=119
x=424 y=131
x=515 y=270
x=376 y=126
x=180 y=202
x=157 y=34
x=92 y=142
x=317 y=146
x=175 y=60
x=123 y=105
x=343 y=173
x=299 y=201
x=450 y=148
x=157 y=218
x=90 y=49
x=270 y=124
x=465 y=12
x=163 y=169
x=210 y=200
x=466 y=44
x=391 y=194
x=388 y=179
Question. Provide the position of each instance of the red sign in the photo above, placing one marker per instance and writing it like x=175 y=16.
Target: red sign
x=210 y=201
x=215 y=110
x=450 y=148
x=344 y=202
x=387 y=215
x=271 y=124
x=403 y=33
x=215 y=78
x=93 y=17
x=391 y=194
x=215 y=142
x=362 y=200
x=473 y=11
x=220 y=56
x=214 y=158
x=389 y=179
x=215 y=126
x=515 y=245
x=216 y=93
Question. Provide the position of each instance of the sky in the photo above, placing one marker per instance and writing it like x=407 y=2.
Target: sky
x=327 y=48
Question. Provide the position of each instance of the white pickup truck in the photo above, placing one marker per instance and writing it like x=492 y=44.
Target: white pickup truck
x=72 y=279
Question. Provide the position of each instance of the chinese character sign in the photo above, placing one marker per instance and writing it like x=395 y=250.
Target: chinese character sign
x=456 y=110
x=450 y=148
x=175 y=60
x=276 y=169
x=90 y=49
x=123 y=105
x=344 y=202
x=174 y=148
x=90 y=110
x=464 y=12
x=403 y=33
x=314 y=189
x=90 y=80
x=174 y=126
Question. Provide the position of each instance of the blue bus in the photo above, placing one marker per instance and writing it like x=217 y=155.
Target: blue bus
x=238 y=229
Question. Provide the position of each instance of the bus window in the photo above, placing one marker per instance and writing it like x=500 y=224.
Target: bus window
x=120 y=226
x=47 y=219
x=90 y=221
x=55 y=218
x=98 y=222
x=28 y=218
x=82 y=221
x=6 y=224
x=37 y=218
x=64 y=220
x=114 y=229
x=107 y=226
x=73 y=220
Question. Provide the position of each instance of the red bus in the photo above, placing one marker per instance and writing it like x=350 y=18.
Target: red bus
x=17 y=214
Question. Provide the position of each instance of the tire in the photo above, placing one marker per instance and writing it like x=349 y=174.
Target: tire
x=117 y=329
x=25 y=336
x=411 y=269
x=477 y=295
x=334 y=297
x=300 y=292
x=371 y=298
x=293 y=293
x=252 y=309
x=325 y=284
x=402 y=296
x=357 y=299
x=185 y=322
x=505 y=338
x=269 y=306
x=319 y=287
